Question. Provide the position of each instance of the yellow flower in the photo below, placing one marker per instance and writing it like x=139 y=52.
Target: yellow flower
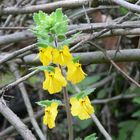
x=62 y=56
x=75 y=73
x=50 y=115
x=54 y=81
x=81 y=108
x=45 y=55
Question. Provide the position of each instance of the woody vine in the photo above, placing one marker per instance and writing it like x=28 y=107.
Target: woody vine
x=60 y=68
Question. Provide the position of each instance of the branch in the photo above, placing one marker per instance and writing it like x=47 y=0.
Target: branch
x=127 y=5
x=27 y=102
x=11 y=85
x=16 y=37
x=115 y=65
x=15 y=121
x=126 y=55
x=115 y=98
x=106 y=25
x=44 y=7
x=16 y=53
x=114 y=27
x=101 y=128
x=10 y=129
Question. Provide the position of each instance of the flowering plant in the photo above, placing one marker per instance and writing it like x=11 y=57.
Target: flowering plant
x=60 y=68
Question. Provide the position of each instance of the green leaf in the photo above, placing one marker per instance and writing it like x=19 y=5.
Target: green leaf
x=91 y=137
x=136 y=132
x=61 y=36
x=45 y=42
x=58 y=15
x=48 y=68
x=81 y=125
x=125 y=128
x=46 y=103
x=136 y=100
x=84 y=93
x=136 y=114
x=123 y=10
x=88 y=81
x=76 y=59
x=36 y=18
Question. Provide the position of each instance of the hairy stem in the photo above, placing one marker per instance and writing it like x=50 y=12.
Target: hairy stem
x=69 y=117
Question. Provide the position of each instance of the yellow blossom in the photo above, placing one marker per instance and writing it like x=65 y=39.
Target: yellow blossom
x=50 y=115
x=81 y=108
x=75 y=73
x=45 y=55
x=62 y=56
x=54 y=81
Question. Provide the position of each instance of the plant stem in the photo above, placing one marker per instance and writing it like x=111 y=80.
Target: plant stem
x=101 y=128
x=69 y=117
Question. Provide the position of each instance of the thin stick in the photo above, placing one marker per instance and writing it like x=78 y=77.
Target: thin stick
x=27 y=102
x=11 y=85
x=15 y=121
x=101 y=128
x=115 y=65
x=26 y=120
x=16 y=53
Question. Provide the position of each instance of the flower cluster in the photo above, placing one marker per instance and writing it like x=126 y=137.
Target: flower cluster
x=59 y=66
x=61 y=57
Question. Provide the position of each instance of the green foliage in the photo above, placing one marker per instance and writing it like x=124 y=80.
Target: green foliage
x=6 y=78
x=76 y=59
x=136 y=114
x=136 y=100
x=123 y=10
x=136 y=132
x=81 y=125
x=89 y=80
x=49 y=27
x=84 y=93
x=91 y=137
x=43 y=68
x=45 y=103
x=129 y=130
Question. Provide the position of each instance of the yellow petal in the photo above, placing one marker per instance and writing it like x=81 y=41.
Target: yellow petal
x=75 y=73
x=54 y=81
x=45 y=55
x=62 y=56
x=75 y=104
x=50 y=115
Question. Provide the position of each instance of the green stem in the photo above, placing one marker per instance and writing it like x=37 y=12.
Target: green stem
x=69 y=117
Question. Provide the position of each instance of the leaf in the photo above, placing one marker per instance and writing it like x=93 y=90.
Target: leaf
x=58 y=15
x=136 y=132
x=45 y=103
x=136 y=100
x=69 y=40
x=81 y=125
x=88 y=81
x=84 y=93
x=136 y=114
x=125 y=128
x=123 y=10
x=76 y=59
x=91 y=137
x=48 y=68
x=36 y=18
